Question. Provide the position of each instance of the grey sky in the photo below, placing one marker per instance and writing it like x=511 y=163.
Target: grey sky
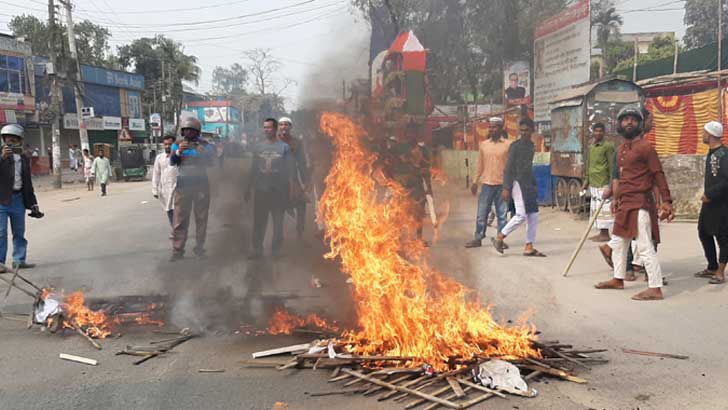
x=311 y=37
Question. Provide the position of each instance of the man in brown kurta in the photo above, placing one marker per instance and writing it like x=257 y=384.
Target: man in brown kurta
x=636 y=215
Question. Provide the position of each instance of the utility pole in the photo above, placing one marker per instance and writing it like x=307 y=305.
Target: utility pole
x=55 y=92
x=636 y=55
x=163 y=92
x=720 y=57
x=82 y=132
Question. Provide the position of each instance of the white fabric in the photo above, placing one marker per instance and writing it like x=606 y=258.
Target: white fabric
x=164 y=181
x=714 y=128
x=645 y=250
x=521 y=217
x=72 y=161
x=18 y=181
x=605 y=220
x=101 y=169
x=87 y=164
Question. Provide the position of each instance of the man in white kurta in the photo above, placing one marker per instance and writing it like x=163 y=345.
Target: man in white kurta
x=101 y=169
x=164 y=178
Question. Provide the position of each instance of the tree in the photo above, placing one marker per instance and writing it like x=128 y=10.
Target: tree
x=92 y=40
x=263 y=68
x=230 y=82
x=701 y=19
x=606 y=21
x=468 y=40
x=661 y=47
x=147 y=56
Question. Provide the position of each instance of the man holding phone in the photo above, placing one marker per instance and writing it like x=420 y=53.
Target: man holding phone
x=192 y=158
x=16 y=195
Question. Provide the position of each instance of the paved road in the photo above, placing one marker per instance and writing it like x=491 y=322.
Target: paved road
x=118 y=245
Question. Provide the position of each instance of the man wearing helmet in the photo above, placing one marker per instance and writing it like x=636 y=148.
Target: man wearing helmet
x=16 y=195
x=192 y=158
x=300 y=173
x=635 y=205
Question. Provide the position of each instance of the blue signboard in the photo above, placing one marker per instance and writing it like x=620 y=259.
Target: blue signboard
x=112 y=78
x=105 y=100
x=134 y=104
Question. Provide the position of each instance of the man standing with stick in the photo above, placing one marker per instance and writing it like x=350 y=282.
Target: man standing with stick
x=599 y=170
x=713 y=221
x=635 y=205
x=520 y=184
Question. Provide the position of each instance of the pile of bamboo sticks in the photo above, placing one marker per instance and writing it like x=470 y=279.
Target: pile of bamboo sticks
x=401 y=379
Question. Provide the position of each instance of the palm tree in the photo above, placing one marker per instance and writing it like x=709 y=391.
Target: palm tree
x=607 y=22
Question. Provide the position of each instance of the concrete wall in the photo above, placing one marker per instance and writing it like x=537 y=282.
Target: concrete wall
x=685 y=175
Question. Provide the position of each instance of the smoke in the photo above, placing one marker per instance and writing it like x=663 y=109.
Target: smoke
x=346 y=60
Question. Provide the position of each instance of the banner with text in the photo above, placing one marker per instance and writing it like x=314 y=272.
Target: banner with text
x=562 y=54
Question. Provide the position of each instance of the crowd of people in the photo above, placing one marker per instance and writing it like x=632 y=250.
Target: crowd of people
x=628 y=188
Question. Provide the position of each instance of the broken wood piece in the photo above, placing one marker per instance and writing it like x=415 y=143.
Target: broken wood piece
x=338 y=392
x=448 y=397
x=32 y=295
x=482 y=388
x=78 y=359
x=283 y=350
x=395 y=381
x=402 y=389
x=339 y=378
x=87 y=337
x=211 y=370
x=570 y=359
x=419 y=401
x=292 y=363
x=407 y=384
x=456 y=388
x=335 y=372
x=147 y=357
x=554 y=372
x=260 y=363
x=654 y=354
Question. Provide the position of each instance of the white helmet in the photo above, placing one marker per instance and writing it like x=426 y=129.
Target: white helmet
x=13 y=129
x=714 y=128
x=285 y=119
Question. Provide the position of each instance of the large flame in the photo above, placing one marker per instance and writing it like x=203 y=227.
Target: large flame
x=405 y=308
x=284 y=323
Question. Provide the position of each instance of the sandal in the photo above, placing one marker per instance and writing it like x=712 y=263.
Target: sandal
x=716 y=281
x=643 y=297
x=535 y=253
x=704 y=274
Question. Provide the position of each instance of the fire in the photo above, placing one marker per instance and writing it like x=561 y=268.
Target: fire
x=284 y=323
x=404 y=307
x=439 y=176
x=95 y=323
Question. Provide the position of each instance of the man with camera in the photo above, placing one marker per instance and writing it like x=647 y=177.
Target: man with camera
x=192 y=158
x=16 y=195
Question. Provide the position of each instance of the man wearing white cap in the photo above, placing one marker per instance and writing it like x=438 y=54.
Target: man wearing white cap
x=713 y=221
x=300 y=174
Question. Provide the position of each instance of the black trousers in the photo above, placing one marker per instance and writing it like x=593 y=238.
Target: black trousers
x=103 y=189
x=708 y=242
x=267 y=203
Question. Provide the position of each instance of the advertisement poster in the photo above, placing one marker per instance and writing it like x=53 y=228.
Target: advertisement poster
x=562 y=54
x=517 y=83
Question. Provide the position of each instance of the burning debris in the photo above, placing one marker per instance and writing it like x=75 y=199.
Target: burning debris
x=94 y=319
x=284 y=323
x=421 y=335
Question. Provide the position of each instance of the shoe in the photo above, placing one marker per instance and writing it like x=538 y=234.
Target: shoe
x=24 y=265
x=176 y=256
x=475 y=243
x=498 y=245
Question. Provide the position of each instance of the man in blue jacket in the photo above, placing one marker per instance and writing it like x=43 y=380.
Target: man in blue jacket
x=193 y=189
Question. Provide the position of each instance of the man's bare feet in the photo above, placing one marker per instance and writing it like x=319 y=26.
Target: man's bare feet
x=649 y=294
x=630 y=277
x=611 y=284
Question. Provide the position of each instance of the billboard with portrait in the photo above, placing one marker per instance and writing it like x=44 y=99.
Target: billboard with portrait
x=517 y=83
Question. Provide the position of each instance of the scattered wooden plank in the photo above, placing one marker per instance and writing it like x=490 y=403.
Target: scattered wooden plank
x=211 y=370
x=554 y=372
x=282 y=350
x=78 y=359
x=87 y=337
x=456 y=388
x=261 y=363
x=419 y=401
x=402 y=389
x=482 y=388
x=448 y=397
x=339 y=378
x=335 y=372
x=654 y=354
x=338 y=392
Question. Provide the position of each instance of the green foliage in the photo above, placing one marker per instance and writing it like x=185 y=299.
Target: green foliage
x=606 y=20
x=701 y=19
x=231 y=81
x=661 y=47
x=92 y=40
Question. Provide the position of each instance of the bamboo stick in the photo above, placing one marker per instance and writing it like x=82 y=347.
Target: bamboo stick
x=456 y=388
x=554 y=372
x=402 y=389
x=78 y=359
x=482 y=388
x=87 y=337
x=654 y=354
x=448 y=397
